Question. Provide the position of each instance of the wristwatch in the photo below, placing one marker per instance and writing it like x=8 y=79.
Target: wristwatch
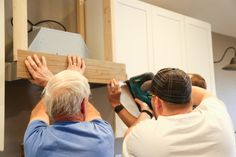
x=118 y=108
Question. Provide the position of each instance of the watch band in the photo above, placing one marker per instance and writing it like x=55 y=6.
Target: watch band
x=118 y=108
x=148 y=112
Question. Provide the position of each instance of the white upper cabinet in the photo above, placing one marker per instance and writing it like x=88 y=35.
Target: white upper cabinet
x=132 y=35
x=199 y=55
x=168 y=39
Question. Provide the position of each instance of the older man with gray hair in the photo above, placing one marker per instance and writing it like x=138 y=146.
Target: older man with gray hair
x=64 y=123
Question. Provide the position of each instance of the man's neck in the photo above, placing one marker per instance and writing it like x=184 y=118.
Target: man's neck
x=74 y=118
x=177 y=111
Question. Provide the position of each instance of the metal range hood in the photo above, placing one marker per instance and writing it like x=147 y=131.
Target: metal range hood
x=51 y=41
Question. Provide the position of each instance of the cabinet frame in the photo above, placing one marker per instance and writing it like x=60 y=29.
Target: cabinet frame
x=2 y=73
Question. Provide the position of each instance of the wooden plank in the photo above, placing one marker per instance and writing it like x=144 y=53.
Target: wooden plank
x=107 y=22
x=20 y=37
x=81 y=18
x=97 y=71
x=2 y=73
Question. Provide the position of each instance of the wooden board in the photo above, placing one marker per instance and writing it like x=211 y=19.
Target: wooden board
x=2 y=74
x=107 y=24
x=80 y=18
x=97 y=71
x=20 y=37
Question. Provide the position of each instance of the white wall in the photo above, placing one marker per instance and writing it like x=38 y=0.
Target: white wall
x=225 y=80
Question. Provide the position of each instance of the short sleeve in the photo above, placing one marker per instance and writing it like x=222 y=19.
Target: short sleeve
x=103 y=126
x=34 y=131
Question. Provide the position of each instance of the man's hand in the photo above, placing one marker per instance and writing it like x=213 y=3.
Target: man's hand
x=143 y=105
x=114 y=92
x=41 y=74
x=76 y=63
x=38 y=70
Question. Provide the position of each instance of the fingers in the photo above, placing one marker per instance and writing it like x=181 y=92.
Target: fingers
x=74 y=60
x=76 y=63
x=31 y=63
x=83 y=66
x=69 y=58
x=44 y=62
x=37 y=61
x=142 y=104
x=30 y=69
x=113 y=85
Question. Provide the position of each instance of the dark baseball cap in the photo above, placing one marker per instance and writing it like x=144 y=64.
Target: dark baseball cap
x=172 y=85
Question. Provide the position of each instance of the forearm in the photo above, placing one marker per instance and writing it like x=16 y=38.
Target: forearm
x=127 y=117
x=141 y=117
x=39 y=113
x=91 y=112
x=199 y=94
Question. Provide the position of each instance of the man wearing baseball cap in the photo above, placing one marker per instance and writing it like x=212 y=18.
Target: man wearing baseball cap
x=177 y=130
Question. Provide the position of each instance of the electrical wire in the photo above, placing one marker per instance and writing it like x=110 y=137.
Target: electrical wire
x=45 y=21
x=31 y=24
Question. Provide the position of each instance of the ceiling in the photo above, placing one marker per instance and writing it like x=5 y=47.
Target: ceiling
x=221 y=14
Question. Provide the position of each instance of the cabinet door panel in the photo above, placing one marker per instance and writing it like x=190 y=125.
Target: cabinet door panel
x=199 y=50
x=132 y=46
x=168 y=39
x=132 y=35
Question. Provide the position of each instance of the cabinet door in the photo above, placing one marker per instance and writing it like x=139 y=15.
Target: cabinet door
x=199 y=50
x=168 y=39
x=132 y=35
x=132 y=46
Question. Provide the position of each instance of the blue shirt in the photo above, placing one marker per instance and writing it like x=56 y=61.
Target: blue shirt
x=69 y=139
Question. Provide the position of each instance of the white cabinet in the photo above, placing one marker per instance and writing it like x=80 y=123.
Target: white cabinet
x=132 y=35
x=168 y=39
x=131 y=45
x=199 y=55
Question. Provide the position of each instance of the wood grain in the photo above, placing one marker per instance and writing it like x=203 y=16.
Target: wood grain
x=107 y=23
x=97 y=71
x=81 y=18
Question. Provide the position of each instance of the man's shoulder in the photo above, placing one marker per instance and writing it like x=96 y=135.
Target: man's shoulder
x=103 y=125
x=211 y=104
x=36 y=124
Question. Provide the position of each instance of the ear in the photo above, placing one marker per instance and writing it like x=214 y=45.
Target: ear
x=82 y=107
x=154 y=102
x=157 y=106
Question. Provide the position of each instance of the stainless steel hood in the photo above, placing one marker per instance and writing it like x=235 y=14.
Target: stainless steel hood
x=51 y=41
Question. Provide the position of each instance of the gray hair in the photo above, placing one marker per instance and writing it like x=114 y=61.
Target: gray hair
x=65 y=92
